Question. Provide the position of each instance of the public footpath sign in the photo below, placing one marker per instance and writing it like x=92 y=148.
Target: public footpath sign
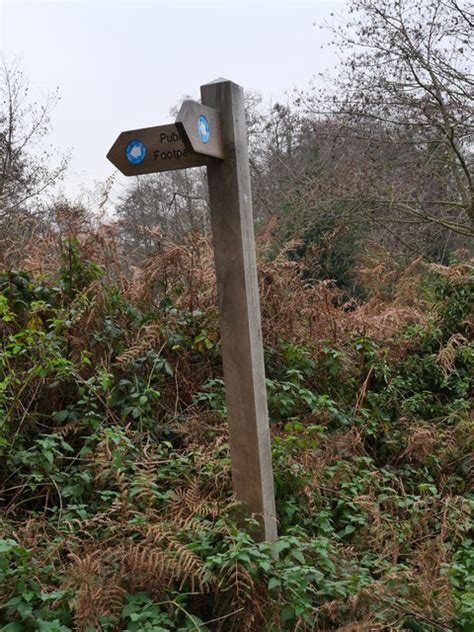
x=201 y=128
x=213 y=133
x=153 y=149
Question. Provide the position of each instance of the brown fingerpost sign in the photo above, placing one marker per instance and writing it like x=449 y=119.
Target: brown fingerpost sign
x=202 y=128
x=153 y=149
x=214 y=134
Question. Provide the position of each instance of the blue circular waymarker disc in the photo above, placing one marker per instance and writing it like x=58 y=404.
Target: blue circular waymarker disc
x=135 y=152
x=204 y=129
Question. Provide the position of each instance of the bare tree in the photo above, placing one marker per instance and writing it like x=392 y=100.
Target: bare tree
x=406 y=95
x=172 y=203
x=25 y=172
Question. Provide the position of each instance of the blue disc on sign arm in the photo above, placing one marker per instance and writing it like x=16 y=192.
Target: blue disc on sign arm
x=204 y=130
x=135 y=152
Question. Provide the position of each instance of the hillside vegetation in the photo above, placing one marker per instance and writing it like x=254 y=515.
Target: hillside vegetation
x=117 y=508
x=116 y=505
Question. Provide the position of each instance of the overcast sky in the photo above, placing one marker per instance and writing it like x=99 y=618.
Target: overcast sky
x=122 y=65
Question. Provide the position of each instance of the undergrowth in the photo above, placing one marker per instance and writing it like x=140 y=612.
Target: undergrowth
x=117 y=506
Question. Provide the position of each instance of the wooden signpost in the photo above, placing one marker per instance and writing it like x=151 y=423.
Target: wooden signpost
x=191 y=120
x=214 y=134
x=153 y=149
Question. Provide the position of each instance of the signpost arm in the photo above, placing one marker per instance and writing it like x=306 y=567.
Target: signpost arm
x=242 y=349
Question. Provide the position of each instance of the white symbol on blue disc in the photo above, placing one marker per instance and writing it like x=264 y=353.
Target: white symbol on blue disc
x=203 y=129
x=135 y=152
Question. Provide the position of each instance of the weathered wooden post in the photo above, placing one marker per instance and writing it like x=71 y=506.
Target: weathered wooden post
x=214 y=134
x=241 y=333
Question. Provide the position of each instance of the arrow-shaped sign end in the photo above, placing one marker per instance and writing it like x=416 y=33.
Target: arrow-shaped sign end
x=115 y=154
x=202 y=128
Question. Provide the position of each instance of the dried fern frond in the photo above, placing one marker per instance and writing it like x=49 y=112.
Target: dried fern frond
x=457 y=273
x=236 y=592
x=447 y=356
x=147 y=337
x=421 y=441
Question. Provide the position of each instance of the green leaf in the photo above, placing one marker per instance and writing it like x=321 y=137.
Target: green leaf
x=8 y=545
x=347 y=530
x=298 y=556
x=281 y=545
x=274 y=583
x=61 y=415
x=287 y=613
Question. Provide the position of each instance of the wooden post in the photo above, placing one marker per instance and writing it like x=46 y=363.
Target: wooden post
x=214 y=134
x=241 y=336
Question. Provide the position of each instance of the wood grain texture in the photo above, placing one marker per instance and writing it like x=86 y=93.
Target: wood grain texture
x=165 y=151
x=235 y=259
x=188 y=117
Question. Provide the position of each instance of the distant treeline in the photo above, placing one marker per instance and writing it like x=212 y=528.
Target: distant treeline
x=383 y=155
